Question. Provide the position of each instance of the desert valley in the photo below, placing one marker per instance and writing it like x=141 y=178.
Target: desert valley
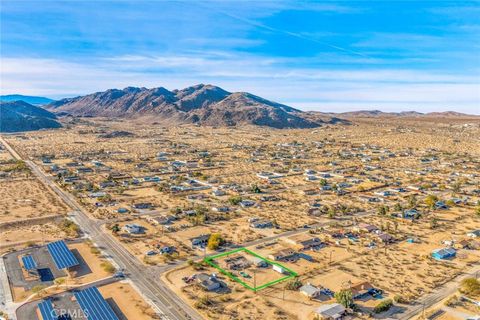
x=364 y=214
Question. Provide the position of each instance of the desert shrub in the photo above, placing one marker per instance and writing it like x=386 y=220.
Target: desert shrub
x=293 y=285
x=470 y=286
x=203 y=303
x=107 y=267
x=70 y=228
x=38 y=289
x=430 y=200
x=452 y=301
x=400 y=299
x=196 y=265
x=383 y=306
x=235 y=200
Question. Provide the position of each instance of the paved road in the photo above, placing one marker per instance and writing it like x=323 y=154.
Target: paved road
x=437 y=295
x=146 y=278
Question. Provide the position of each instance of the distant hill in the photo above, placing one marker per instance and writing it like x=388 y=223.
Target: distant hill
x=37 y=101
x=448 y=114
x=405 y=114
x=200 y=104
x=378 y=113
x=20 y=116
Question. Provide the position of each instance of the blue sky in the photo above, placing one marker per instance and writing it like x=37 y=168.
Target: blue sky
x=323 y=55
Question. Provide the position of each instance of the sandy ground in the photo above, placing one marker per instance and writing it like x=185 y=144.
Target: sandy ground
x=128 y=301
x=424 y=156
x=27 y=199
x=20 y=237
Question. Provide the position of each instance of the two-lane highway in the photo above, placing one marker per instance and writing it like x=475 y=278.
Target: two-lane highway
x=146 y=278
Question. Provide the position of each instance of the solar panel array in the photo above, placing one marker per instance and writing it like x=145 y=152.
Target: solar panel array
x=29 y=263
x=94 y=305
x=61 y=255
x=46 y=310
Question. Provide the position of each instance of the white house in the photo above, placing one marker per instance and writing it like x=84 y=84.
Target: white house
x=332 y=311
x=132 y=228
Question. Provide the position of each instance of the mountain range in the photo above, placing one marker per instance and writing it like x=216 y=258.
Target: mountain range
x=200 y=104
x=19 y=116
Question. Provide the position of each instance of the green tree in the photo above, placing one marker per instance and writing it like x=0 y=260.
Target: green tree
x=115 y=228
x=344 y=297
x=323 y=182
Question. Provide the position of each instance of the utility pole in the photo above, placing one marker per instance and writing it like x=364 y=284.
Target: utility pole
x=255 y=280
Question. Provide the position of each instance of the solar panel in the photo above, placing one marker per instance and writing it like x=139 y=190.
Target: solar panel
x=46 y=310
x=61 y=255
x=29 y=263
x=94 y=305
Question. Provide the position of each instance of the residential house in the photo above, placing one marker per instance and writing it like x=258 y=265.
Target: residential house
x=221 y=209
x=208 y=283
x=133 y=228
x=142 y=205
x=385 y=238
x=365 y=227
x=444 y=253
x=167 y=250
x=410 y=214
x=218 y=192
x=247 y=203
x=305 y=242
x=284 y=255
x=160 y=220
x=310 y=192
x=360 y=289
x=261 y=224
x=258 y=262
x=334 y=311
x=200 y=241
x=237 y=262
x=440 y=205
x=474 y=234
x=310 y=291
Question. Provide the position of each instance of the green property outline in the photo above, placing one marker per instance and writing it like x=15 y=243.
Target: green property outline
x=209 y=261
